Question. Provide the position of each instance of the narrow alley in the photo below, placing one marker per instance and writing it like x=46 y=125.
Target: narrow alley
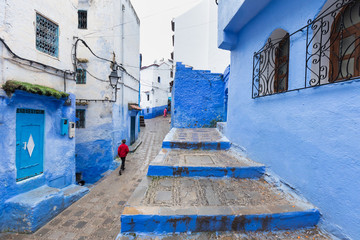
x=97 y=215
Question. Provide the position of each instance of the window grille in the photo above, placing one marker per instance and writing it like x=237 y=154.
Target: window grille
x=80 y=76
x=82 y=19
x=80 y=115
x=159 y=79
x=47 y=36
x=332 y=51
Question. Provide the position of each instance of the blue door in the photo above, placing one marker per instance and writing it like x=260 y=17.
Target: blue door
x=132 y=130
x=29 y=143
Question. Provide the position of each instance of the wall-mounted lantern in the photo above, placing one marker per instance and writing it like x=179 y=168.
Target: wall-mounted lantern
x=114 y=78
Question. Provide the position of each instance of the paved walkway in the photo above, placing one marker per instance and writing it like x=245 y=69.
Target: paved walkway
x=97 y=215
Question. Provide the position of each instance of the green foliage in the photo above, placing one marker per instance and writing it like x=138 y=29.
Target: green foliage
x=10 y=87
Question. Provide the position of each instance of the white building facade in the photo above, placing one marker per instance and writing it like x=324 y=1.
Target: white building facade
x=155 y=88
x=37 y=105
x=106 y=113
x=195 y=39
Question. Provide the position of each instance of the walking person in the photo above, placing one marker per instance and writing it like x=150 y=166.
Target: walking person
x=165 y=112
x=123 y=150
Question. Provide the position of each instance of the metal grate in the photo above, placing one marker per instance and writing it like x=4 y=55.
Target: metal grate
x=332 y=52
x=80 y=115
x=80 y=76
x=47 y=36
x=29 y=111
x=82 y=19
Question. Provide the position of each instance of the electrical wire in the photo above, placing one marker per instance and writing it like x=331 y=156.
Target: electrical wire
x=31 y=62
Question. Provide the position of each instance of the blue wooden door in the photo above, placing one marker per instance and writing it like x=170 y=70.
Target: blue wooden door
x=132 y=130
x=29 y=143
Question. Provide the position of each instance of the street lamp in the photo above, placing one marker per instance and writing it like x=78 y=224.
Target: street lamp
x=114 y=78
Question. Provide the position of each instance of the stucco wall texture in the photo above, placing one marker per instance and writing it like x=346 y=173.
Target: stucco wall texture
x=198 y=98
x=309 y=137
x=59 y=150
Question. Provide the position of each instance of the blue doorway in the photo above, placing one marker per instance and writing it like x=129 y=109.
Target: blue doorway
x=132 y=130
x=29 y=143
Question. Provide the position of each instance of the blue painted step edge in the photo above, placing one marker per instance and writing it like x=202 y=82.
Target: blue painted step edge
x=197 y=145
x=203 y=171
x=159 y=224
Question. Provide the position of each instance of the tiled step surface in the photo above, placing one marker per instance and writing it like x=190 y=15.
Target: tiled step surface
x=196 y=138
x=204 y=163
x=174 y=205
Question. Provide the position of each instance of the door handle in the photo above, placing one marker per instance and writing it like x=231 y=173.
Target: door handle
x=24 y=145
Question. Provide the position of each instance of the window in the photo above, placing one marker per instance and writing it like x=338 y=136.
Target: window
x=271 y=65
x=148 y=96
x=159 y=79
x=47 y=36
x=80 y=115
x=147 y=110
x=80 y=76
x=82 y=19
x=281 y=65
x=345 y=40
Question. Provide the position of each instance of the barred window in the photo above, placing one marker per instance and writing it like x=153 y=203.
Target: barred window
x=80 y=76
x=80 y=115
x=47 y=36
x=82 y=19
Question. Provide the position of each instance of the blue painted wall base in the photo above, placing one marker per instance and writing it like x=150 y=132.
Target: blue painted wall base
x=197 y=223
x=153 y=112
x=29 y=211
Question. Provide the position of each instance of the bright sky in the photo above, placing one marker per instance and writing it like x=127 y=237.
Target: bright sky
x=155 y=26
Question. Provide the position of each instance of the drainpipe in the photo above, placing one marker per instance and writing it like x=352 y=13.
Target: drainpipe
x=122 y=61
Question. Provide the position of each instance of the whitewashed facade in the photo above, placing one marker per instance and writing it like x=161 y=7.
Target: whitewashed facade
x=37 y=167
x=112 y=32
x=155 y=88
x=195 y=39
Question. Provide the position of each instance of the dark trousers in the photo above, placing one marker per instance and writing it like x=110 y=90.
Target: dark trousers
x=123 y=163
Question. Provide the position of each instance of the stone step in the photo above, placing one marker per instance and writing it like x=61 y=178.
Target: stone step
x=304 y=234
x=175 y=205
x=196 y=138
x=204 y=163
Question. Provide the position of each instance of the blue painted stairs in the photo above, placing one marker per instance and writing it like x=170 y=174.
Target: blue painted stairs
x=197 y=183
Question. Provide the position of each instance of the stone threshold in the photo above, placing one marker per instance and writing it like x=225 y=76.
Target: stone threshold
x=175 y=205
x=204 y=163
x=196 y=138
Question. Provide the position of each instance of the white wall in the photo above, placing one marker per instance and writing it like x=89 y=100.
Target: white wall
x=196 y=39
x=159 y=92
x=18 y=29
x=106 y=35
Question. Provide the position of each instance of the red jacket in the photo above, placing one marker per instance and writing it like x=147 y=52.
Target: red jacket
x=123 y=150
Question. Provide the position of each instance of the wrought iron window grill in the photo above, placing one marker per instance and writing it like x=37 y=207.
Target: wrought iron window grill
x=47 y=36
x=82 y=19
x=80 y=76
x=80 y=115
x=332 y=52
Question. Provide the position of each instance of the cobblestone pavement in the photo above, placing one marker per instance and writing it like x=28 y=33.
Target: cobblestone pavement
x=97 y=215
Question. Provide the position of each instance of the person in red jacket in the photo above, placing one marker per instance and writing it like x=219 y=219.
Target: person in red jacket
x=123 y=150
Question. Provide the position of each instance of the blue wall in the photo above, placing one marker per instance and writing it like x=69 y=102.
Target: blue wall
x=154 y=112
x=97 y=144
x=308 y=137
x=198 y=98
x=59 y=151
